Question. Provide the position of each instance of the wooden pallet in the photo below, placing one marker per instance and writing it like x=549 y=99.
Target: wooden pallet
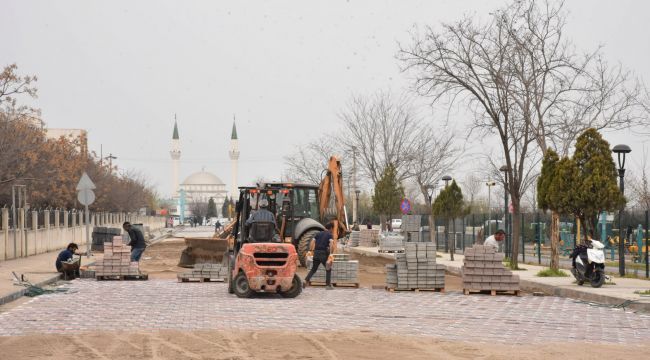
x=440 y=290
x=123 y=277
x=200 y=279
x=391 y=251
x=492 y=292
x=322 y=283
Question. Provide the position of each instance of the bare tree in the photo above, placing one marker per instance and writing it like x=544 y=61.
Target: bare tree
x=431 y=157
x=640 y=185
x=473 y=186
x=525 y=81
x=310 y=161
x=382 y=128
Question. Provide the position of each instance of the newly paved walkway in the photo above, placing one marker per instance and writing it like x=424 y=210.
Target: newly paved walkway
x=91 y=305
x=622 y=291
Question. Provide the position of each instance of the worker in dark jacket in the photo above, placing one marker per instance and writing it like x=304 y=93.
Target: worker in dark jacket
x=65 y=255
x=321 y=246
x=137 y=241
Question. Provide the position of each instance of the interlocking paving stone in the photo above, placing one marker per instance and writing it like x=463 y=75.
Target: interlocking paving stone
x=165 y=304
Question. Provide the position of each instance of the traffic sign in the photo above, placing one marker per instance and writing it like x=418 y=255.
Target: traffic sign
x=86 y=197
x=405 y=206
x=85 y=183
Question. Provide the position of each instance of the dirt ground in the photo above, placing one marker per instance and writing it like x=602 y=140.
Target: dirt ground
x=160 y=262
x=284 y=346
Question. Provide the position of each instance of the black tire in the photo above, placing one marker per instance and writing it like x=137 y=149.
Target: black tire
x=231 y=264
x=296 y=288
x=303 y=245
x=241 y=286
x=580 y=282
x=598 y=279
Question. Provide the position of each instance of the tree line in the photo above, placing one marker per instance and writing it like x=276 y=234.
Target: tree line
x=51 y=167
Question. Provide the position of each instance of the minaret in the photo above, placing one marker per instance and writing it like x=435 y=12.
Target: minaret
x=234 y=157
x=176 y=156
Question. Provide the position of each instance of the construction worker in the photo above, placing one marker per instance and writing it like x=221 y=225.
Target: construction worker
x=262 y=214
x=320 y=247
x=137 y=241
x=65 y=256
x=495 y=239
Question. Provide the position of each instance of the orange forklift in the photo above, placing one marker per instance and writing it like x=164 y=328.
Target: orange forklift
x=263 y=257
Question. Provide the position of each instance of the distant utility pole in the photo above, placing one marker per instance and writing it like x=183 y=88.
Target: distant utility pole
x=110 y=158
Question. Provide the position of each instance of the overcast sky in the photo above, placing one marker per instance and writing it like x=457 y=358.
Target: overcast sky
x=121 y=69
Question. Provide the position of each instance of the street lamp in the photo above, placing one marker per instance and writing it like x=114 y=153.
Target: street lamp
x=505 y=169
x=446 y=179
x=621 y=150
x=489 y=185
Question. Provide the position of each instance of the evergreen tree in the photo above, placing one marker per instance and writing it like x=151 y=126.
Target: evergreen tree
x=224 y=207
x=596 y=175
x=450 y=205
x=545 y=202
x=212 y=208
x=388 y=194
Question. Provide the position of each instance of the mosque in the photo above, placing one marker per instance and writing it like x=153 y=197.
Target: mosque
x=203 y=185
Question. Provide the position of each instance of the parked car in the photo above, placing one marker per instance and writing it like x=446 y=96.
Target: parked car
x=396 y=224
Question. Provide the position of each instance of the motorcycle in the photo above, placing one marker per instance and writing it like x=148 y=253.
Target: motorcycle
x=589 y=263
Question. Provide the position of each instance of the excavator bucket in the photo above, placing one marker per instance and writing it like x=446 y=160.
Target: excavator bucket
x=206 y=250
x=203 y=250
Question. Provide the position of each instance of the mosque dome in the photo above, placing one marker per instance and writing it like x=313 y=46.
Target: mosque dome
x=203 y=178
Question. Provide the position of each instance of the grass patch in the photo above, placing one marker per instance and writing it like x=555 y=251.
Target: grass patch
x=511 y=266
x=552 y=273
x=644 y=292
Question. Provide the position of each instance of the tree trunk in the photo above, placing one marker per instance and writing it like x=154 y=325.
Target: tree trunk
x=555 y=240
x=382 y=222
x=516 y=232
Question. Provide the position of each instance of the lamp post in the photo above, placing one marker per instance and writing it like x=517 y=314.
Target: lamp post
x=355 y=226
x=446 y=179
x=448 y=248
x=489 y=185
x=505 y=169
x=621 y=150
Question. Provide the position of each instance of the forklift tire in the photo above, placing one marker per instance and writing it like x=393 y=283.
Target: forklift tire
x=241 y=286
x=296 y=288
x=303 y=245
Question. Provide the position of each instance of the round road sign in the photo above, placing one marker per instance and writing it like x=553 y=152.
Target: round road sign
x=86 y=197
x=405 y=206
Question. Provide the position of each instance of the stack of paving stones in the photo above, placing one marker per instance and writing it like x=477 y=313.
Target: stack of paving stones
x=411 y=227
x=369 y=237
x=416 y=269
x=344 y=271
x=354 y=238
x=116 y=263
x=205 y=272
x=391 y=276
x=391 y=243
x=483 y=270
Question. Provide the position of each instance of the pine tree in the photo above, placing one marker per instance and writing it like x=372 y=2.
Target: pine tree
x=450 y=205
x=596 y=173
x=224 y=207
x=388 y=194
x=545 y=202
x=212 y=208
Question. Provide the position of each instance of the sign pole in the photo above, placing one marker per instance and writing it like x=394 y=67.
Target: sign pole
x=87 y=231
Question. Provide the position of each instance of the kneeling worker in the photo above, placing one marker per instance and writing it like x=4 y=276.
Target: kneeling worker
x=65 y=256
x=321 y=246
